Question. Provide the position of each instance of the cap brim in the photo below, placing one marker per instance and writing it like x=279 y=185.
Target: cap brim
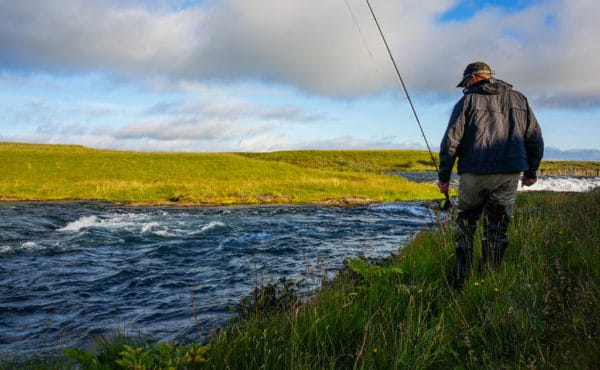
x=462 y=82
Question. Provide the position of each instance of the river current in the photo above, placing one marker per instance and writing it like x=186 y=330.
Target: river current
x=71 y=271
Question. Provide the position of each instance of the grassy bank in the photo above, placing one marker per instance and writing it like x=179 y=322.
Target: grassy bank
x=538 y=310
x=570 y=168
x=70 y=172
x=61 y=172
x=372 y=161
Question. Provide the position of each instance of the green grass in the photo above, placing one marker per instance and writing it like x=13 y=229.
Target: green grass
x=70 y=172
x=382 y=161
x=538 y=310
x=59 y=172
x=579 y=168
x=374 y=161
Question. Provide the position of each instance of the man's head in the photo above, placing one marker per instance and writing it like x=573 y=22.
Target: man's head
x=474 y=72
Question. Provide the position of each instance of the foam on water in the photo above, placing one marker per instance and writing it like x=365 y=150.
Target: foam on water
x=82 y=223
x=545 y=183
x=164 y=233
x=151 y=225
x=211 y=225
x=30 y=245
x=127 y=221
x=564 y=184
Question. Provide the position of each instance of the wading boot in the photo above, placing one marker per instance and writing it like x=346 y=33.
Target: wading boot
x=495 y=241
x=466 y=225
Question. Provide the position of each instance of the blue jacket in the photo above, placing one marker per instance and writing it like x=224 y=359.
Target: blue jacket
x=492 y=129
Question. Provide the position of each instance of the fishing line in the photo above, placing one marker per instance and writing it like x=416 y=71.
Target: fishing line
x=358 y=28
x=403 y=86
x=445 y=204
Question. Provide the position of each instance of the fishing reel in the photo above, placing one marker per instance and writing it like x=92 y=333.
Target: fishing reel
x=445 y=204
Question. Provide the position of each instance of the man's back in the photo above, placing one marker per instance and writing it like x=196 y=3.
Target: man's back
x=491 y=130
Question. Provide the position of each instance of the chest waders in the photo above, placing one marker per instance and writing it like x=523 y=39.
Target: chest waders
x=494 y=243
x=493 y=196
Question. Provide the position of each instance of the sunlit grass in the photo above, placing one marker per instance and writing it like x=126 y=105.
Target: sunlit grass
x=43 y=172
x=374 y=161
x=70 y=172
x=538 y=310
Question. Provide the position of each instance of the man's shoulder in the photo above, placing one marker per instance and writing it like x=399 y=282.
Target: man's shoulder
x=518 y=96
x=509 y=89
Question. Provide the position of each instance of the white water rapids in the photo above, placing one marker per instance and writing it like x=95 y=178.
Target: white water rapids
x=564 y=184
x=544 y=183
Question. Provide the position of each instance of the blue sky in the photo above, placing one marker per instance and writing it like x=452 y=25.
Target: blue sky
x=265 y=75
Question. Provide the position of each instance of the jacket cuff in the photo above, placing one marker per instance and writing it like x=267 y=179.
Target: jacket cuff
x=530 y=174
x=443 y=178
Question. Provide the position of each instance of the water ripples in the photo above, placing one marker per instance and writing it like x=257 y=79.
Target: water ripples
x=72 y=270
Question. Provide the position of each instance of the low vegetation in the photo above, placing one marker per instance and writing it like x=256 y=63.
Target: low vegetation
x=570 y=168
x=371 y=161
x=71 y=172
x=64 y=172
x=538 y=310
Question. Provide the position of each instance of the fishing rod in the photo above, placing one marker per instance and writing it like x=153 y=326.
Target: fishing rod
x=445 y=204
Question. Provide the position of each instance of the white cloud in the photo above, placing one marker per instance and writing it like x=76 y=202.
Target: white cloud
x=265 y=143
x=311 y=44
x=207 y=130
x=270 y=74
x=87 y=35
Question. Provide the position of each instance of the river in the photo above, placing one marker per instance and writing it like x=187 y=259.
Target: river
x=70 y=271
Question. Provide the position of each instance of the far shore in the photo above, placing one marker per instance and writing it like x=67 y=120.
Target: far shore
x=35 y=172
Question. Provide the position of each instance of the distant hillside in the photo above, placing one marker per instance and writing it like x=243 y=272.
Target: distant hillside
x=572 y=155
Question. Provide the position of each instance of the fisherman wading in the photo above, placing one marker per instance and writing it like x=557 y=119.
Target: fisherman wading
x=495 y=136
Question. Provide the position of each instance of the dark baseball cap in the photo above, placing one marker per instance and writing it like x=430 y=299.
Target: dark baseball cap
x=473 y=69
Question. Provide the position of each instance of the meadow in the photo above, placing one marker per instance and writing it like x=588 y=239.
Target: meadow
x=71 y=172
x=65 y=172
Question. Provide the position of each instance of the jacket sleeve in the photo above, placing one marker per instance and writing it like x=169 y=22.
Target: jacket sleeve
x=451 y=142
x=534 y=144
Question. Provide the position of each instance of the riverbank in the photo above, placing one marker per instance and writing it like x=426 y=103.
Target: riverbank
x=538 y=310
x=62 y=172
x=336 y=177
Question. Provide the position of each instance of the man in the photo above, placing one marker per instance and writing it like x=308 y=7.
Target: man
x=494 y=134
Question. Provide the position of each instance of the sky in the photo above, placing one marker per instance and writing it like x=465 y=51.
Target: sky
x=268 y=75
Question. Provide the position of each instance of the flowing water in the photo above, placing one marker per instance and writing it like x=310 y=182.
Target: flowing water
x=545 y=183
x=70 y=271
